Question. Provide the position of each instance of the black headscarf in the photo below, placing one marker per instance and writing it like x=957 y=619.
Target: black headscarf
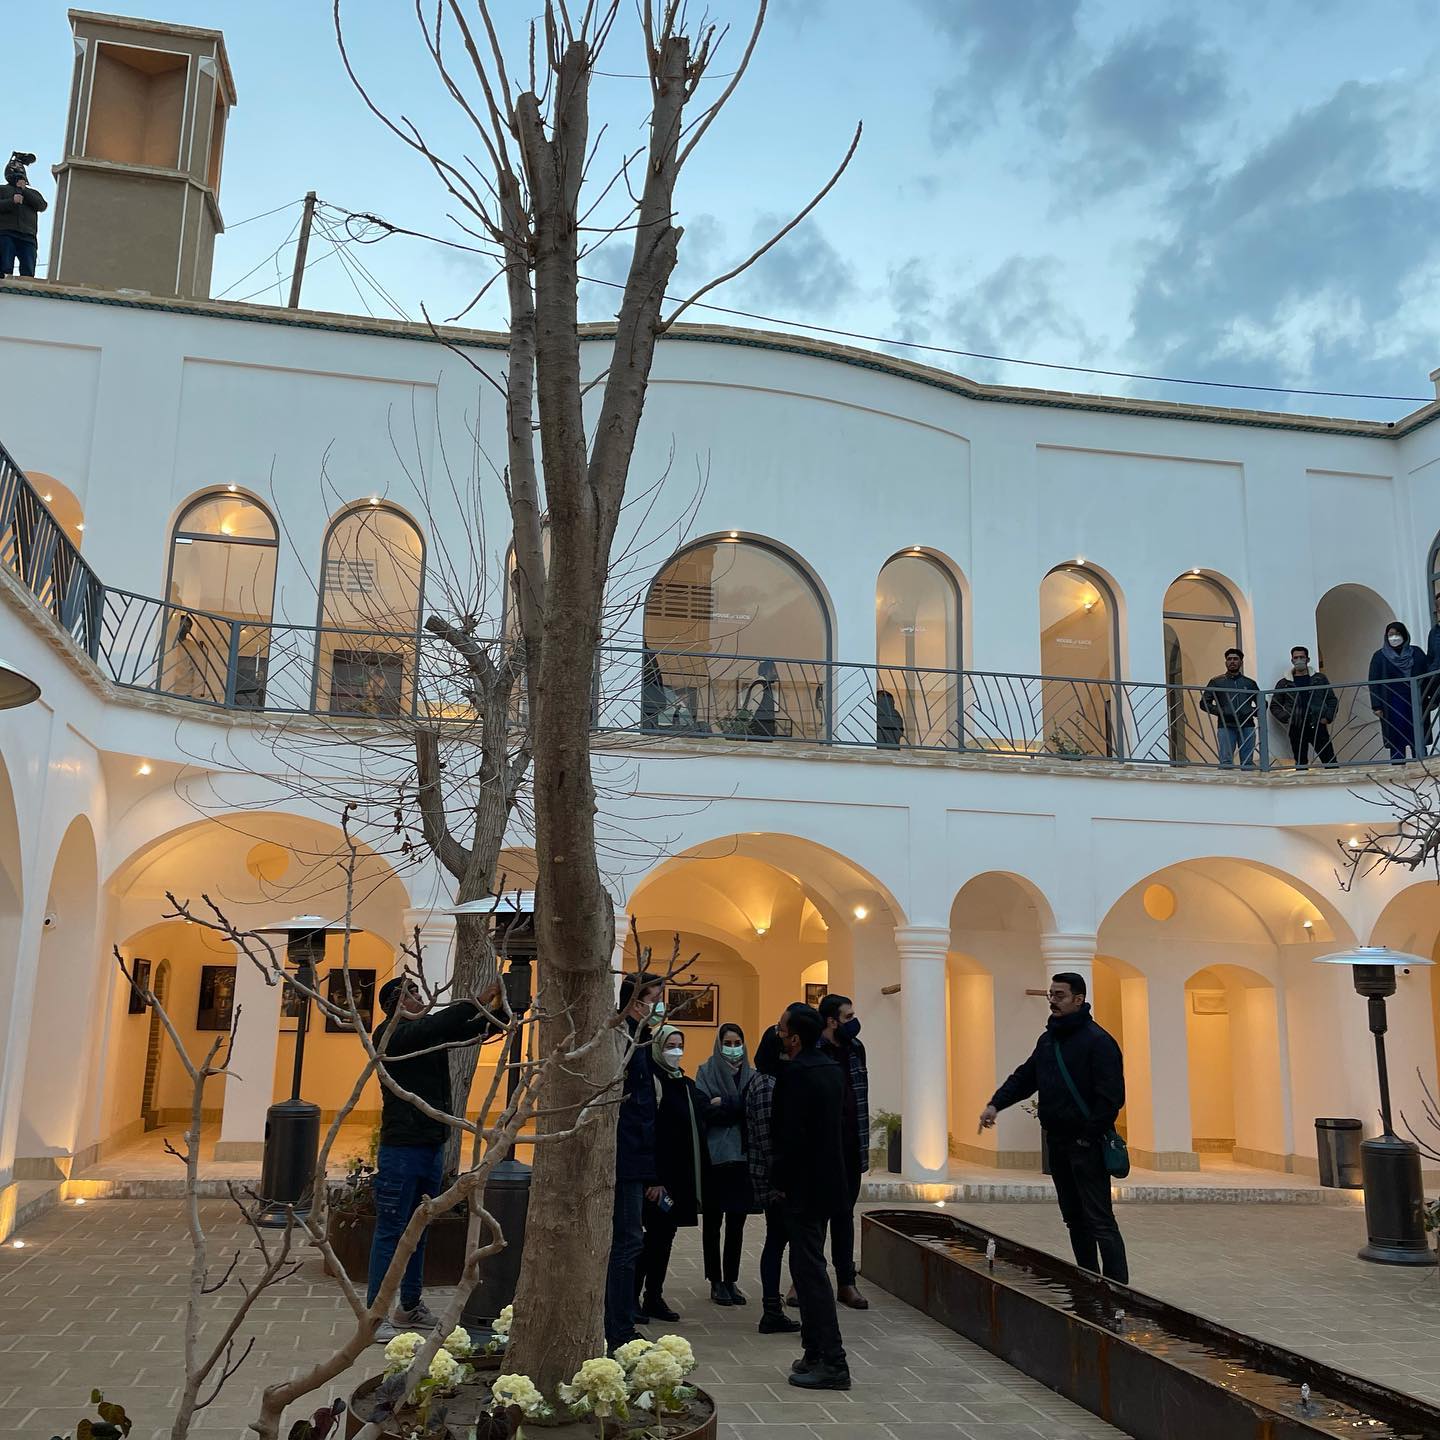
x=769 y=1052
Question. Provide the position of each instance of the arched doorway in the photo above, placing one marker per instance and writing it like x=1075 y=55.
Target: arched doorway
x=994 y=965
x=155 y=1048
x=917 y=652
x=1079 y=649
x=1201 y=623
x=54 y=1096
x=736 y=642
x=221 y=593
x=1350 y=623
x=372 y=571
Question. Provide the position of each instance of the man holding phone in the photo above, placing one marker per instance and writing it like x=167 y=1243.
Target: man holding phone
x=20 y=207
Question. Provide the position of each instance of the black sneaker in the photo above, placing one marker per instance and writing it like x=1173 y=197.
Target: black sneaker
x=804 y=1363
x=736 y=1298
x=657 y=1308
x=822 y=1376
x=720 y=1293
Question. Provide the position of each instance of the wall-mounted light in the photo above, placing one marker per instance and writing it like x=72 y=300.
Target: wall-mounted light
x=374 y=499
x=1079 y=559
x=860 y=912
x=48 y=498
x=17 y=1244
x=1195 y=573
x=143 y=768
x=1308 y=926
x=232 y=488
x=734 y=534
x=1353 y=843
x=80 y=526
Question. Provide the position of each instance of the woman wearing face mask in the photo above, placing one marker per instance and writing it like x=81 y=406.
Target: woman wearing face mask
x=722 y=1082
x=1394 y=699
x=679 y=1166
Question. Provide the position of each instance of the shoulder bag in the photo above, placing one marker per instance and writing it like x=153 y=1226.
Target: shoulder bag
x=1112 y=1144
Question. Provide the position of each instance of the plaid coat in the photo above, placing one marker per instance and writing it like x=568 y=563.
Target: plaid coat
x=760 y=1146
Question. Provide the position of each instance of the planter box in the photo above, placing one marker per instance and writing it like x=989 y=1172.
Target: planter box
x=351 y=1235
x=356 y=1416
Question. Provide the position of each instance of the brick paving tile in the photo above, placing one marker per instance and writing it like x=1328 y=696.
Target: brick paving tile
x=97 y=1296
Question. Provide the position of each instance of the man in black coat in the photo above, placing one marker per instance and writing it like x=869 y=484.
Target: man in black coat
x=840 y=1040
x=410 y=1162
x=635 y=1171
x=1305 y=704
x=1073 y=1131
x=20 y=206
x=1234 y=700
x=808 y=1176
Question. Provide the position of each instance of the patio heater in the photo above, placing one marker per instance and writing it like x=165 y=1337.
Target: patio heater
x=16 y=688
x=1389 y=1164
x=292 y=1127
x=507 y=1189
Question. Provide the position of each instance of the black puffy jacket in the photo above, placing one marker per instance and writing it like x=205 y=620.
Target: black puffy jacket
x=1095 y=1064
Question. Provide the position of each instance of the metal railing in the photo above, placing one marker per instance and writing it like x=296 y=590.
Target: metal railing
x=226 y=662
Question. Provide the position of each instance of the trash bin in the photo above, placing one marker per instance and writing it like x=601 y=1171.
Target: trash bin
x=1337 y=1143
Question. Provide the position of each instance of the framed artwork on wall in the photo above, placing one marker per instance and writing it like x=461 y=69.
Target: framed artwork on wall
x=692 y=1005
x=815 y=992
x=216 y=1009
x=292 y=1007
x=362 y=987
x=140 y=970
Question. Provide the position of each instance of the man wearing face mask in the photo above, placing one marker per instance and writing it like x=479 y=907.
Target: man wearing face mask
x=841 y=1042
x=1234 y=700
x=1305 y=705
x=1079 y=1073
x=641 y=1004
x=1397 y=675
x=809 y=1184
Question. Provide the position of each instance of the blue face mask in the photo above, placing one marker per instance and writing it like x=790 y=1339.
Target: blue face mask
x=849 y=1030
x=733 y=1052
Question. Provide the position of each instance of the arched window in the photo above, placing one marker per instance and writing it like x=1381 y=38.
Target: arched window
x=1201 y=624
x=220 y=593
x=737 y=640
x=371 y=585
x=1079 y=643
x=917 y=652
x=1435 y=582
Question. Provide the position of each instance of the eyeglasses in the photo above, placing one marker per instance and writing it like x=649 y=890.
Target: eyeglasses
x=1058 y=994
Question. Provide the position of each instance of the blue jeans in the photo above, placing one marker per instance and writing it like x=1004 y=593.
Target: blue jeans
x=1232 y=737
x=627 y=1240
x=404 y=1175
x=14 y=248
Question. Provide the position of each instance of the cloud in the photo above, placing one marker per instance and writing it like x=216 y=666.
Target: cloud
x=1015 y=309
x=802 y=277
x=1005 y=48
x=1311 y=259
x=701 y=253
x=1136 y=111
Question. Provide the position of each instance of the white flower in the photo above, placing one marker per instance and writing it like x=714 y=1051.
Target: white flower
x=457 y=1342
x=445 y=1368
x=631 y=1351
x=602 y=1382
x=519 y=1390
x=657 y=1370
x=503 y=1321
x=401 y=1351
x=679 y=1347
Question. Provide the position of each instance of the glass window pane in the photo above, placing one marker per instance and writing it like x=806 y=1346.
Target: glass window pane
x=371 y=581
x=223 y=579
x=917 y=651
x=1195 y=595
x=227 y=515
x=1077 y=630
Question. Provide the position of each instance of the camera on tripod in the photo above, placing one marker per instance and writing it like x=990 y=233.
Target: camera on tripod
x=15 y=166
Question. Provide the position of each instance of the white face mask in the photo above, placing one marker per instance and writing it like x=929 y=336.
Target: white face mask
x=733 y=1052
x=673 y=1058
x=1396 y=640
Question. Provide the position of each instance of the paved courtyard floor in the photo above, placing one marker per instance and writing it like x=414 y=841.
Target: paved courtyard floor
x=1284 y=1273
x=95 y=1297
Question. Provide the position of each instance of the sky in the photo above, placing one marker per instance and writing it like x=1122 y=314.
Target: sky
x=1237 y=192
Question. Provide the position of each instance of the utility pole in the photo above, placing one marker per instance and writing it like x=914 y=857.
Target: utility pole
x=306 y=220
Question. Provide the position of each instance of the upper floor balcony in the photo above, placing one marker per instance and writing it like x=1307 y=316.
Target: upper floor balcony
x=369 y=661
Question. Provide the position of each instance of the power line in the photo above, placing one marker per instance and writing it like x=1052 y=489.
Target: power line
x=236 y=224
x=390 y=229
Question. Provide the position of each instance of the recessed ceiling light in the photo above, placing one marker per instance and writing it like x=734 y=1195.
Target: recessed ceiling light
x=860 y=912
x=143 y=768
x=762 y=929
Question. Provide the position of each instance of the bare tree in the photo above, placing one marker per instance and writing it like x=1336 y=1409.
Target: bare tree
x=531 y=197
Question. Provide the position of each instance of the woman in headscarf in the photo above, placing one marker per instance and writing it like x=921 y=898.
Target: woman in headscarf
x=722 y=1082
x=1396 y=701
x=674 y=1201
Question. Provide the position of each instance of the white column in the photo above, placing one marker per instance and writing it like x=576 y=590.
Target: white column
x=1072 y=952
x=437 y=942
x=250 y=1085
x=924 y=1051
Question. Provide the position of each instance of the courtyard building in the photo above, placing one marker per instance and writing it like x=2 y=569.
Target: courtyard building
x=902 y=699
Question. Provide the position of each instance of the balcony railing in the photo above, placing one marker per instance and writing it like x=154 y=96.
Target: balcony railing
x=161 y=648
